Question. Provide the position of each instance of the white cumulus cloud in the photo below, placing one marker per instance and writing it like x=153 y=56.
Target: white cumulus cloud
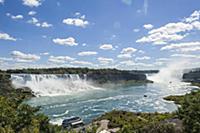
x=45 y=53
x=31 y=13
x=32 y=3
x=183 y=47
x=148 y=26
x=190 y=49
x=15 y=17
x=134 y=64
x=87 y=53
x=142 y=58
x=136 y=30
x=5 y=36
x=106 y=47
x=33 y=20
x=3 y=59
x=172 y=31
x=105 y=61
x=1 y=1
x=127 y=2
x=126 y=53
x=79 y=21
x=81 y=63
x=60 y=59
x=70 y=41
x=46 y=25
x=127 y=63
x=124 y=56
x=186 y=56
x=22 y=57
x=141 y=51
x=37 y=23
x=128 y=50
x=193 y=17
x=166 y=33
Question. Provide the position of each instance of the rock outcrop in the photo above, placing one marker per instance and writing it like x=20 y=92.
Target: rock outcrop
x=115 y=77
x=192 y=76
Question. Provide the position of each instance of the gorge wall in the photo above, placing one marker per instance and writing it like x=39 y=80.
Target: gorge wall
x=96 y=75
x=192 y=76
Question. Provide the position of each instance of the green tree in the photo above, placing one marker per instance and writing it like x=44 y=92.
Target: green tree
x=189 y=112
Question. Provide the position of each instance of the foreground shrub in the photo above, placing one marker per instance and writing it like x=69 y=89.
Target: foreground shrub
x=21 y=118
x=189 y=112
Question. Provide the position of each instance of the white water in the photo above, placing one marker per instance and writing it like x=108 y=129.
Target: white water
x=91 y=104
x=51 y=84
x=171 y=74
x=170 y=77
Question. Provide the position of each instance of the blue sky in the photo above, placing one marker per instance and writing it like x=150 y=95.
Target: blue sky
x=123 y=34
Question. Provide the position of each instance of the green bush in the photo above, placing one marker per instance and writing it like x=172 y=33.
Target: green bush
x=21 y=118
x=130 y=122
x=158 y=128
x=189 y=112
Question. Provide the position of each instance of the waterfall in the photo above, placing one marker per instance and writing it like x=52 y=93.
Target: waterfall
x=170 y=77
x=52 y=84
x=172 y=73
x=166 y=76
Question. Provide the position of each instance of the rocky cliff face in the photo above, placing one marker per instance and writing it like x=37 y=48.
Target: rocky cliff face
x=192 y=76
x=115 y=77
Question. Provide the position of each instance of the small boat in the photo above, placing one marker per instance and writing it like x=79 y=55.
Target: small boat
x=73 y=122
x=145 y=95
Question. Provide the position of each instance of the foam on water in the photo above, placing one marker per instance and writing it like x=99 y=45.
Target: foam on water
x=62 y=114
x=171 y=76
x=95 y=103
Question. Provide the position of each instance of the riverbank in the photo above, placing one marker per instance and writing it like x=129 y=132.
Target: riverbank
x=184 y=120
x=180 y=99
x=19 y=117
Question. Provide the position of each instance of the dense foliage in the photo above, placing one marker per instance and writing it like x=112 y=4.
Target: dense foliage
x=76 y=71
x=189 y=112
x=176 y=99
x=21 y=118
x=139 y=122
x=159 y=128
x=16 y=117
